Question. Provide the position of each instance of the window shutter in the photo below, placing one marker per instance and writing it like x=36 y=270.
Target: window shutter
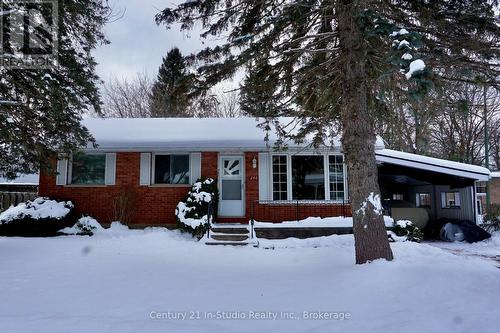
x=195 y=166
x=145 y=172
x=443 y=200
x=62 y=170
x=263 y=176
x=110 y=171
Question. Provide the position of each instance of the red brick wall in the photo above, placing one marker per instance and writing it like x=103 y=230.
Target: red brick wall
x=209 y=163
x=155 y=205
x=152 y=205
x=495 y=190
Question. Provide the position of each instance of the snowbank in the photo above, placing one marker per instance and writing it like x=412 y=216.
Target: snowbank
x=120 y=284
x=317 y=222
x=40 y=208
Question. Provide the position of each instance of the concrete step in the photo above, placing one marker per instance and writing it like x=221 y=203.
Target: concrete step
x=229 y=237
x=232 y=231
x=227 y=243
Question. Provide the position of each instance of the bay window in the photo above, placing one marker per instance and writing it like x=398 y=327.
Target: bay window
x=308 y=178
x=336 y=172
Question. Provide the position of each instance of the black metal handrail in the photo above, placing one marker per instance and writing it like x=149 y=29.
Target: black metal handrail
x=209 y=217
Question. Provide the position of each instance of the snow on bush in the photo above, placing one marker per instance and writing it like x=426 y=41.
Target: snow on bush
x=404 y=230
x=86 y=225
x=404 y=223
x=192 y=213
x=40 y=208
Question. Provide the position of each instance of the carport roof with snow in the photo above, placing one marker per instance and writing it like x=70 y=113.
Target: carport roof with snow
x=153 y=134
x=431 y=164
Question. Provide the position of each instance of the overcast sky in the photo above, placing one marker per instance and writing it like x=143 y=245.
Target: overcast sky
x=137 y=43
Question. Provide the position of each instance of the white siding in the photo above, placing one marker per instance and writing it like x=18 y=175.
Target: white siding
x=264 y=178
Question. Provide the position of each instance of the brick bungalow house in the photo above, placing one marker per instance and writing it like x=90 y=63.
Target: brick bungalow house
x=156 y=160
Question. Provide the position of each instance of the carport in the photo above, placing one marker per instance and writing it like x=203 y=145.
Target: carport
x=415 y=186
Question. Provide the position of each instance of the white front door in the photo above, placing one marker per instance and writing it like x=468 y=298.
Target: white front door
x=231 y=186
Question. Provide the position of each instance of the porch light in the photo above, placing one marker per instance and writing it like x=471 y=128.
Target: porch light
x=254 y=163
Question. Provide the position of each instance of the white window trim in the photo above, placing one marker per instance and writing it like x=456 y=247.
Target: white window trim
x=69 y=172
x=326 y=166
x=444 y=204
x=153 y=163
x=271 y=176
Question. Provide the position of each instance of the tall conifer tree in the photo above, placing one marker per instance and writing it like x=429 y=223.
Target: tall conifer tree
x=171 y=91
x=325 y=60
x=41 y=108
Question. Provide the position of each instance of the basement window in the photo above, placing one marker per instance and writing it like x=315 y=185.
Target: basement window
x=450 y=199
x=171 y=169
x=87 y=169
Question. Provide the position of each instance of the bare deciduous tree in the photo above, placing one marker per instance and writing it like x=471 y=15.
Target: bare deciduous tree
x=217 y=104
x=128 y=98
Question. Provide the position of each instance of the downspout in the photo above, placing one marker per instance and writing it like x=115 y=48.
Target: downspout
x=474 y=201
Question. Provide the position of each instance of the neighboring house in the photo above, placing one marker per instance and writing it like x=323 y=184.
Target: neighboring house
x=14 y=191
x=154 y=161
x=495 y=187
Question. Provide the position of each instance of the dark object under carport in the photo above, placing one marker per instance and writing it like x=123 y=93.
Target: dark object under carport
x=471 y=232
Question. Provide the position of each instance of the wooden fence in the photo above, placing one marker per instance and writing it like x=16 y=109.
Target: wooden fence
x=8 y=199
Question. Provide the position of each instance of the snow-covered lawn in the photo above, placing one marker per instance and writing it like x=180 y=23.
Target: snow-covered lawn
x=117 y=280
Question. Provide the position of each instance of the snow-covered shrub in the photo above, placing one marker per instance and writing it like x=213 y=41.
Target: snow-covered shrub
x=86 y=225
x=192 y=212
x=40 y=217
x=404 y=228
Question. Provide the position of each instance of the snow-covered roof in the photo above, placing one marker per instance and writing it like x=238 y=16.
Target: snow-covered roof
x=31 y=179
x=150 y=134
x=495 y=174
x=432 y=164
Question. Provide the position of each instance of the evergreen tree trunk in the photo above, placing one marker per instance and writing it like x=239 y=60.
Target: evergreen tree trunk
x=358 y=139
